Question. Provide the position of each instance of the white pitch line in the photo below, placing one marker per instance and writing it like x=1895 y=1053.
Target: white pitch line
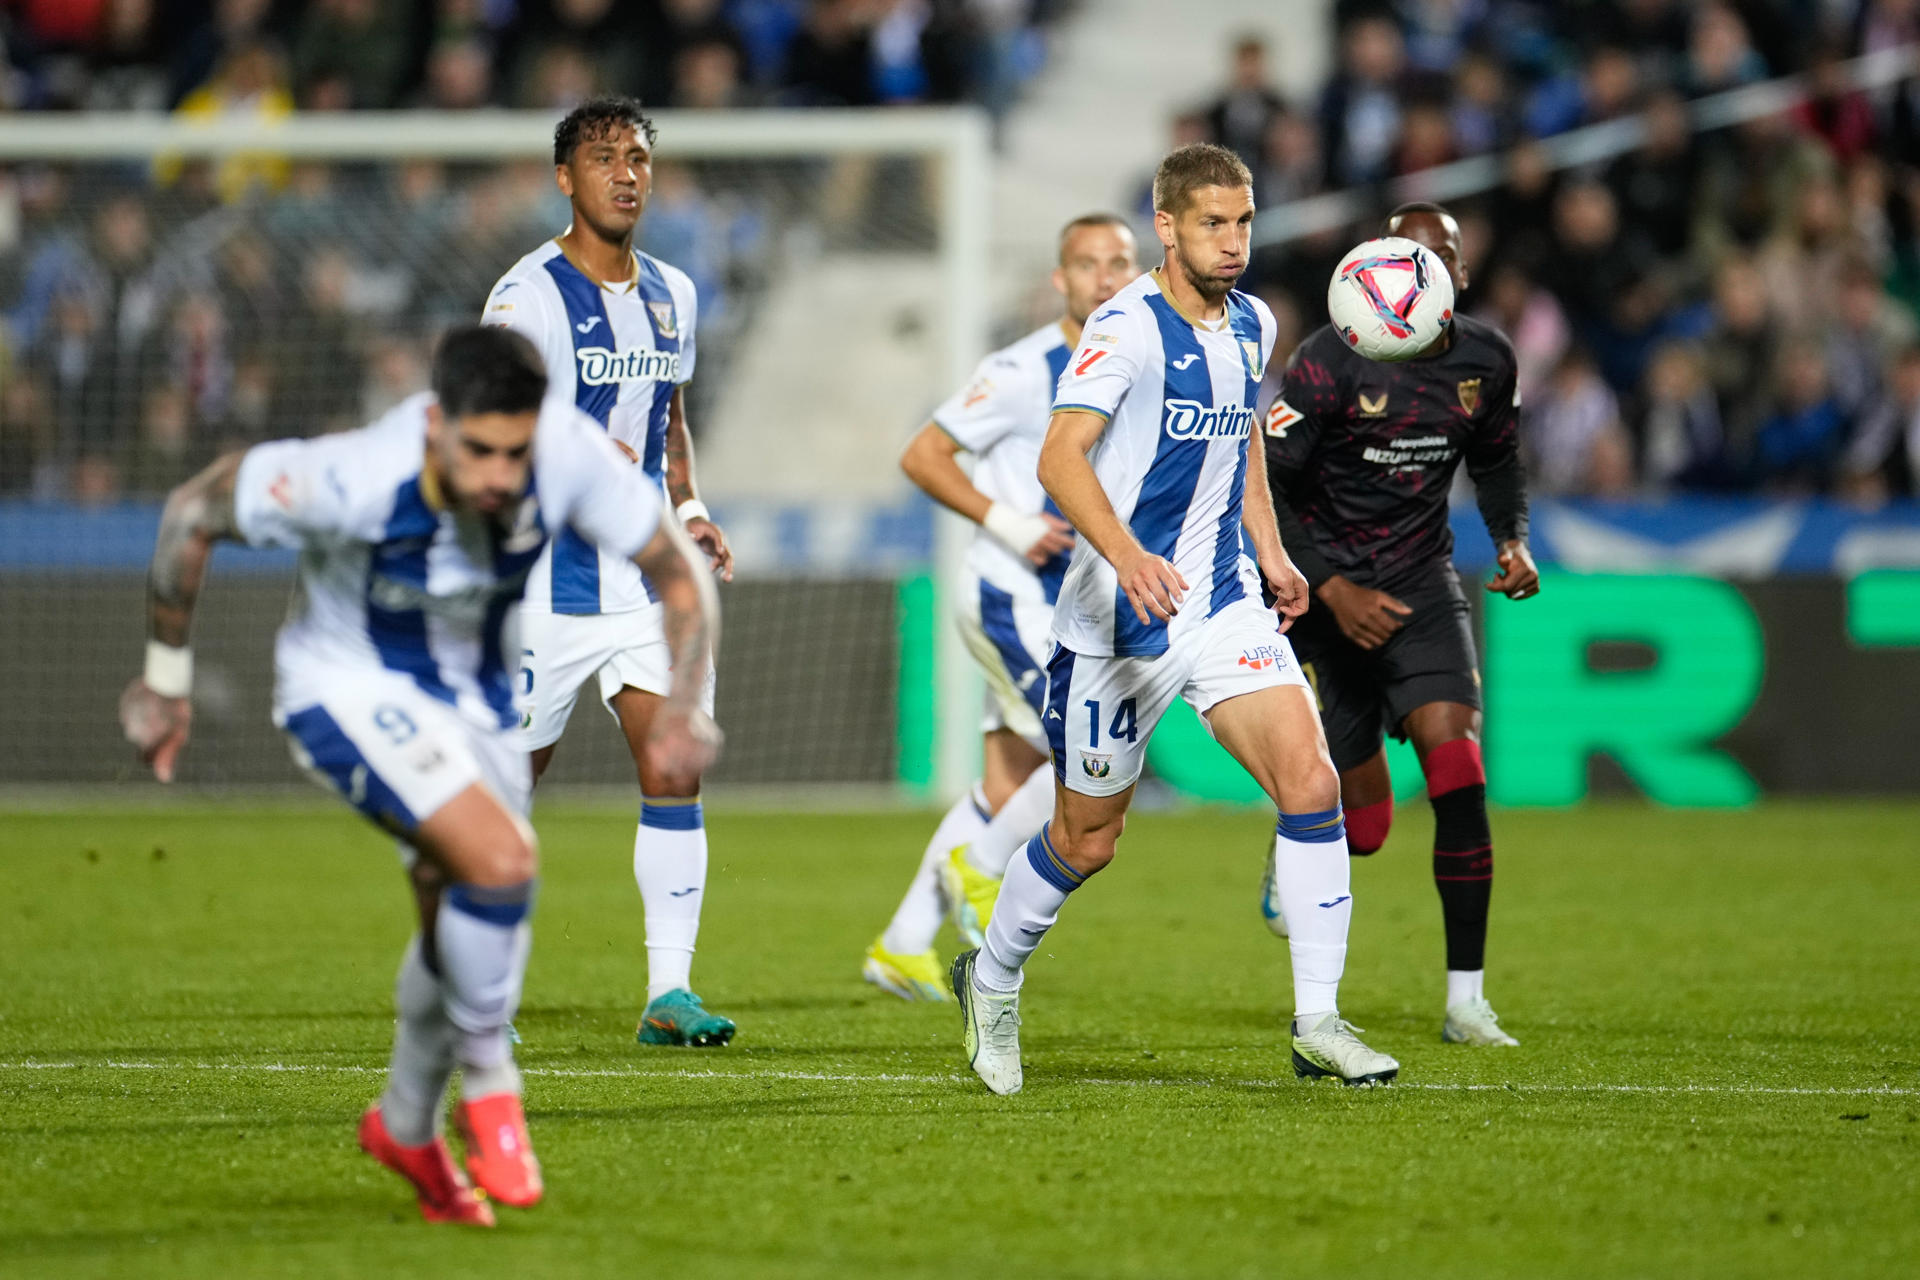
x=575 y=1073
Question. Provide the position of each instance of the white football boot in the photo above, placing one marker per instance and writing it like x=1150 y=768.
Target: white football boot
x=992 y=1023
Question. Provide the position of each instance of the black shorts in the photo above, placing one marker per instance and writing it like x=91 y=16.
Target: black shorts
x=1366 y=694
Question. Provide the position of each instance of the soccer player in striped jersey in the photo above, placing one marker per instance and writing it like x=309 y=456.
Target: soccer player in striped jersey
x=1006 y=597
x=616 y=327
x=1151 y=456
x=393 y=685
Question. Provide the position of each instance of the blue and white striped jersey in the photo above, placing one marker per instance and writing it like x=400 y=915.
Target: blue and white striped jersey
x=1000 y=417
x=617 y=352
x=1179 y=397
x=390 y=580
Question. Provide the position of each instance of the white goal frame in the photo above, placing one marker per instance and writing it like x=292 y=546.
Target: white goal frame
x=957 y=138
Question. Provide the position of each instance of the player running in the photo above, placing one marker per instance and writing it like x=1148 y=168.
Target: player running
x=616 y=329
x=393 y=686
x=1013 y=573
x=1151 y=456
x=1362 y=455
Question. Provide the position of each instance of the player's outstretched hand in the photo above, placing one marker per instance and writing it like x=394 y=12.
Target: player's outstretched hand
x=156 y=726
x=1153 y=586
x=708 y=537
x=1518 y=577
x=1289 y=587
x=1057 y=538
x=681 y=744
x=1367 y=617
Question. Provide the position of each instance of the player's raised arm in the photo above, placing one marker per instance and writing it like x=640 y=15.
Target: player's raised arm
x=1153 y=586
x=156 y=710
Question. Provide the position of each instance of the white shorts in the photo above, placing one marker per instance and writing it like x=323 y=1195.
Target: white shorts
x=1010 y=639
x=1101 y=711
x=559 y=652
x=398 y=754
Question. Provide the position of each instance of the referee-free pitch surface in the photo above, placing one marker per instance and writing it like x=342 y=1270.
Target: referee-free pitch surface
x=1719 y=1070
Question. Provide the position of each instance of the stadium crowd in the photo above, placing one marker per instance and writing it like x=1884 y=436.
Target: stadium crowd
x=1730 y=310
x=156 y=315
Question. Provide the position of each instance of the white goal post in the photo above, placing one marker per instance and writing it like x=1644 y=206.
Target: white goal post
x=951 y=151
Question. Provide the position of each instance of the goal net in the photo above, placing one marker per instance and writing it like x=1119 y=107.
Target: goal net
x=174 y=290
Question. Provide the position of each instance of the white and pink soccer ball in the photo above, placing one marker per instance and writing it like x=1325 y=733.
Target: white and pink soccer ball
x=1391 y=298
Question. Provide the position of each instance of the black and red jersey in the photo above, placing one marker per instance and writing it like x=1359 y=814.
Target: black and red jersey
x=1362 y=454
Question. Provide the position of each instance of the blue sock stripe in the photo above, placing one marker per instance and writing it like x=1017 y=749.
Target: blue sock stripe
x=1323 y=827
x=1051 y=866
x=504 y=906
x=676 y=813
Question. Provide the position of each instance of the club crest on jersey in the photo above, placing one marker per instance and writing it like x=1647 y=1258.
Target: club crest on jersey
x=1096 y=765
x=664 y=319
x=1469 y=390
x=1251 y=349
x=1280 y=416
x=1373 y=406
x=600 y=367
x=527 y=531
x=1191 y=420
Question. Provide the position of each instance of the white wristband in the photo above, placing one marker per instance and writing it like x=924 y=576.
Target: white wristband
x=169 y=670
x=1016 y=531
x=692 y=509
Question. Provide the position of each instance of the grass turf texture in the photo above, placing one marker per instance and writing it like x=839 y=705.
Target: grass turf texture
x=1718 y=1072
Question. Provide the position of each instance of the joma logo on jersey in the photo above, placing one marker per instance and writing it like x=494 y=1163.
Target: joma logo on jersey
x=600 y=367
x=1191 y=420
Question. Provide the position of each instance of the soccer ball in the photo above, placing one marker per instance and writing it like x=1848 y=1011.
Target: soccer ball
x=1391 y=298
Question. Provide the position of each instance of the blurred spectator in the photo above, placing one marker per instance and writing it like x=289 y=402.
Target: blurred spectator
x=1834 y=112
x=1803 y=260
x=1360 y=108
x=1242 y=118
x=564 y=46
x=1720 y=54
x=1797 y=446
x=1884 y=459
x=1868 y=330
x=1682 y=441
x=677 y=29
x=830 y=62
x=1654 y=185
x=1573 y=437
x=1532 y=321
x=230 y=25
x=25 y=435
x=251 y=81
x=1740 y=351
x=1481 y=116
x=706 y=77
x=128 y=60
x=361 y=45
x=459 y=74
x=1605 y=88
x=1426 y=137
x=1289 y=165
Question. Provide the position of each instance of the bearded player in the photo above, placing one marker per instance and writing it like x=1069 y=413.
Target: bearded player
x=616 y=329
x=393 y=685
x=1152 y=456
x=1006 y=598
x=1362 y=455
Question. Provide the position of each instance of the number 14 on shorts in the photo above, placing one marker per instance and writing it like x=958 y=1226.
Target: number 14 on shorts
x=1122 y=728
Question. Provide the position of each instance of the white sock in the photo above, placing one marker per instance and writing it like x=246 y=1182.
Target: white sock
x=670 y=866
x=918 y=917
x=1031 y=895
x=1311 y=876
x=1025 y=812
x=482 y=940
x=422 y=1061
x=1464 y=985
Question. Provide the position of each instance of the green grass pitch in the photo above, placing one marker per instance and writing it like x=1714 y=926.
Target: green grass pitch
x=1719 y=1072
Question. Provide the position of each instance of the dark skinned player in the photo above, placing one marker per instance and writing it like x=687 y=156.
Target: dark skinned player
x=1361 y=455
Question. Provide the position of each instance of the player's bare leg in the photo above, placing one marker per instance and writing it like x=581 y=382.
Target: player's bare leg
x=1446 y=735
x=1276 y=736
x=456 y=991
x=670 y=867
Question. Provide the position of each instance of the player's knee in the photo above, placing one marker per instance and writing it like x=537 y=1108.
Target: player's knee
x=1367 y=827
x=512 y=857
x=1088 y=847
x=1308 y=785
